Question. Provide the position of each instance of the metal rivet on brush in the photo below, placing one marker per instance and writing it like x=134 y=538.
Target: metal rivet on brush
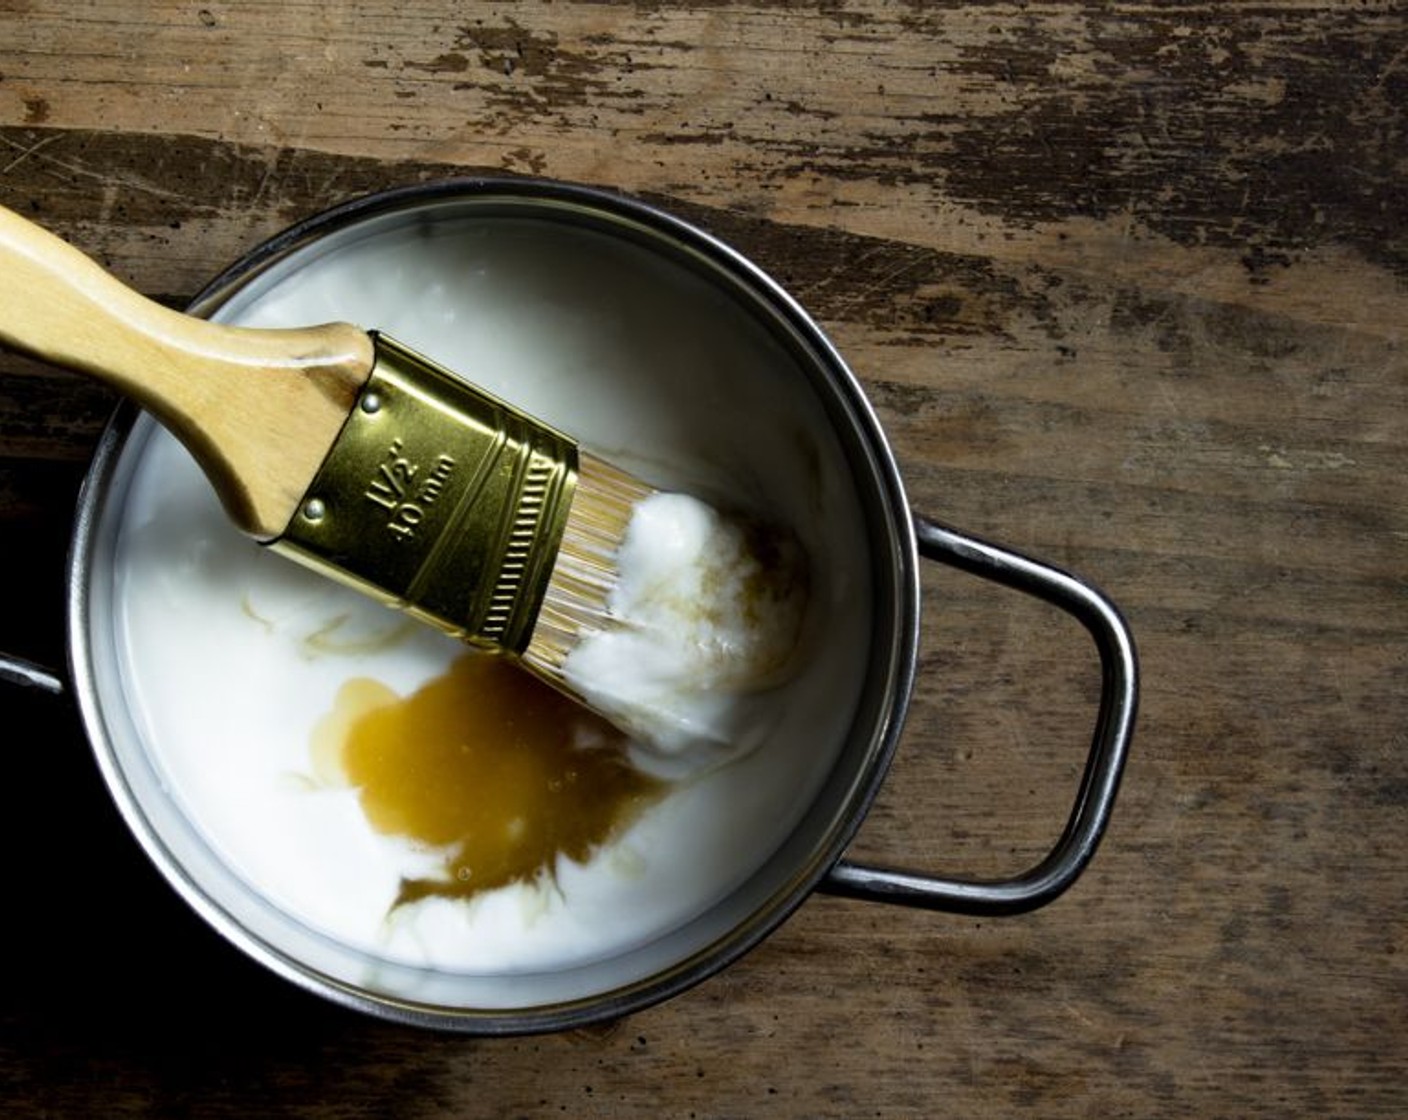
x=314 y=509
x=371 y=402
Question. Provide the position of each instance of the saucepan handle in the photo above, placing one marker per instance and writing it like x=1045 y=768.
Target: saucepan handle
x=28 y=675
x=1114 y=725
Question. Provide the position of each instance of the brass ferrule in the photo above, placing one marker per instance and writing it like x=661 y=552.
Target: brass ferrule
x=439 y=499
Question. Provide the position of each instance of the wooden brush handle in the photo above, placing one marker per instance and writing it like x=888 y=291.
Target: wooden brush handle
x=257 y=408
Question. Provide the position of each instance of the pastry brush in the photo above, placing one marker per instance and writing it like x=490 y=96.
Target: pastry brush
x=350 y=453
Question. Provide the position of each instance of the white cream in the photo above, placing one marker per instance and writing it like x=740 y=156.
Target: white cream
x=230 y=655
x=699 y=629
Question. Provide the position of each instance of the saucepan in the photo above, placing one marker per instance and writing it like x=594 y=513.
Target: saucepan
x=673 y=351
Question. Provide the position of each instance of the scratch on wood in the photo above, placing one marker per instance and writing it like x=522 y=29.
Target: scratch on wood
x=25 y=152
x=35 y=152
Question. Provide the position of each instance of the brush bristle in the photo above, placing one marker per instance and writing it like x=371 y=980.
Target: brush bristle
x=584 y=573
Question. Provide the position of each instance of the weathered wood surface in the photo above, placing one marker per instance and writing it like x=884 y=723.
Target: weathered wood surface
x=1128 y=285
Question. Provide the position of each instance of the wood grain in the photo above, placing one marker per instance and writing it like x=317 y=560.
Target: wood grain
x=1127 y=285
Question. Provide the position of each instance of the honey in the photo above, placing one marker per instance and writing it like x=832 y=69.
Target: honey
x=488 y=764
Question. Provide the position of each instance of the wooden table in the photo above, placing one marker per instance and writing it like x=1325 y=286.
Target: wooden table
x=1128 y=286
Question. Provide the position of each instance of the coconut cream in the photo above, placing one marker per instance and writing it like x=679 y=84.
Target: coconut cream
x=233 y=658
